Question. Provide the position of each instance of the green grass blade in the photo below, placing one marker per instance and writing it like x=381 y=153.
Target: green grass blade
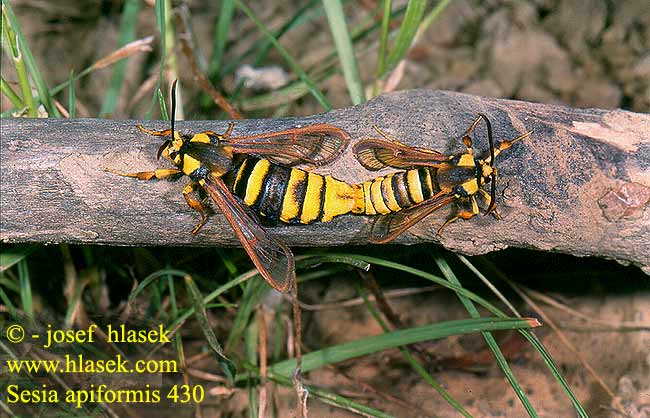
x=226 y=364
x=252 y=340
x=537 y=344
x=415 y=365
x=261 y=48
x=433 y=278
x=11 y=255
x=383 y=45
x=324 y=71
x=325 y=396
x=295 y=67
x=253 y=293
x=343 y=43
x=163 y=105
x=11 y=94
x=178 y=341
x=339 y=401
x=9 y=112
x=9 y=284
x=251 y=347
x=11 y=40
x=228 y=263
x=469 y=295
x=221 y=36
x=71 y=96
x=275 y=98
x=151 y=278
x=215 y=293
x=30 y=62
x=489 y=339
x=7 y=302
x=127 y=34
x=161 y=21
x=364 y=346
x=489 y=285
x=315 y=259
x=432 y=16
x=407 y=31
x=25 y=289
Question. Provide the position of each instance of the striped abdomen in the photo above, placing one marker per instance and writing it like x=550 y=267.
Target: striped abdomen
x=292 y=195
x=398 y=191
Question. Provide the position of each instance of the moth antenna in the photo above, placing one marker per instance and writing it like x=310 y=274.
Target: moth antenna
x=169 y=141
x=493 y=190
x=173 y=106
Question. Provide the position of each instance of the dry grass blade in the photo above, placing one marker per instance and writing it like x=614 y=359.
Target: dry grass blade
x=394 y=320
x=347 y=303
x=143 y=90
x=201 y=315
x=565 y=340
x=208 y=377
x=185 y=40
x=72 y=292
x=622 y=325
x=366 y=389
x=301 y=392
x=395 y=77
x=261 y=318
x=139 y=45
x=61 y=109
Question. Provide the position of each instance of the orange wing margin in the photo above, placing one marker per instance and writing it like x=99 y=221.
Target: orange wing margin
x=318 y=145
x=375 y=154
x=388 y=227
x=273 y=259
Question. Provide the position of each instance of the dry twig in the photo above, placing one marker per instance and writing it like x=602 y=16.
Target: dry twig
x=579 y=185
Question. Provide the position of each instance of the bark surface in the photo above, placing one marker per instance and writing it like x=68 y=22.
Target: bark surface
x=580 y=184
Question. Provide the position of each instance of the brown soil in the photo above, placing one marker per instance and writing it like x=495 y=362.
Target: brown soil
x=592 y=53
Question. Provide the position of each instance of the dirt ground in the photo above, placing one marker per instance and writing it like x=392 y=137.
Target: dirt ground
x=588 y=53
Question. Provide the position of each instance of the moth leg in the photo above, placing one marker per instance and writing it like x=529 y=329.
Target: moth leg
x=166 y=132
x=159 y=174
x=195 y=204
x=222 y=136
x=488 y=202
x=463 y=214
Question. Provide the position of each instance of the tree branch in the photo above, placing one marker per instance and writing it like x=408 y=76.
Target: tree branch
x=579 y=185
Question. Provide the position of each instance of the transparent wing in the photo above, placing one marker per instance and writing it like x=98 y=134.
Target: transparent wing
x=375 y=154
x=387 y=228
x=315 y=144
x=273 y=259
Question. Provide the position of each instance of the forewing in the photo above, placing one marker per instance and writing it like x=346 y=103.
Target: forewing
x=375 y=154
x=315 y=144
x=272 y=258
x=387 y=228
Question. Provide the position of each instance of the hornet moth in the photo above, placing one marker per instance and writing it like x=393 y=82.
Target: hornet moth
x=255 y=171
x=430 y=180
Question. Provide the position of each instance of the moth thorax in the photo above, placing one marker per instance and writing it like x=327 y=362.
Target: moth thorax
x=449 y=176
x=487 y=169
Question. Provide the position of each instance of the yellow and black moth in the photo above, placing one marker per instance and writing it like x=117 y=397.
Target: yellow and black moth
x=430 y=180
x=256 y=171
